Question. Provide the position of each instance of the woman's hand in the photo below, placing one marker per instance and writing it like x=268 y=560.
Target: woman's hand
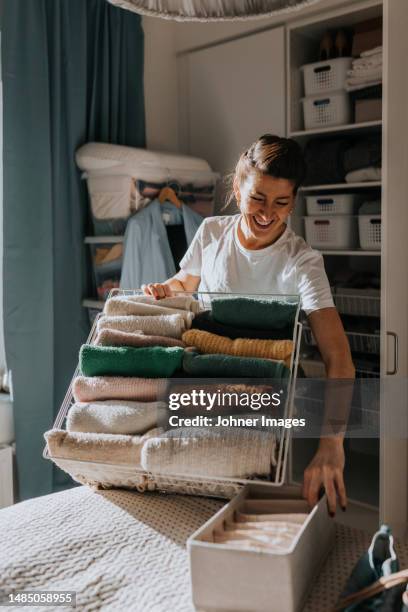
x=326 y=469
x=157 y=290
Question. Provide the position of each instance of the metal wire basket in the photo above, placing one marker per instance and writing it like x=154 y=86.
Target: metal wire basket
x=109 y=475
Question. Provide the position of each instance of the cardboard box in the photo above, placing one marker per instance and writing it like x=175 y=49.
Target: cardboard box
x=368 y=110
x=367 y=35
x=259 y=579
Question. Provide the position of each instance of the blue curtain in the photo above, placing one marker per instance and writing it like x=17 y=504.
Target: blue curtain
x=72 y=72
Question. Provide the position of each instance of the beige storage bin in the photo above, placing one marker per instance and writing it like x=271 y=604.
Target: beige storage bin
x=259 y=578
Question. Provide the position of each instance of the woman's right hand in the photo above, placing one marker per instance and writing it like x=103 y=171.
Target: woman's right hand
x=157 y=290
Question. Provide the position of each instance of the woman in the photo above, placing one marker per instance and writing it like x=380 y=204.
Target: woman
x=256 y=252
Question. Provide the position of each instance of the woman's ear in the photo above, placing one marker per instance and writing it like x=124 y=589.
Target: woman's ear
x=237 y=192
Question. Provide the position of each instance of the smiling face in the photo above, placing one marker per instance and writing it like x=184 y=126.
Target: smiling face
x=265 y=203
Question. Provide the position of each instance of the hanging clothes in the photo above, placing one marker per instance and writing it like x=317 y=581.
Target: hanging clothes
x=148 y=254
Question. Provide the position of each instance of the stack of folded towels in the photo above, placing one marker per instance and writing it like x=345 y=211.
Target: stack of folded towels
x=366 y=70
x=141 y=342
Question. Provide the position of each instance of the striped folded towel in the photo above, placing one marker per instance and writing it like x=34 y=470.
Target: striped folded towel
x=160 y=325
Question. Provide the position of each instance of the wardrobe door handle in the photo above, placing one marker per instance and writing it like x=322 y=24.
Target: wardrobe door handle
x=395 y=368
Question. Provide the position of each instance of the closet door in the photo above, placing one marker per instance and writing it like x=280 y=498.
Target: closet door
x=394 y=353
x=235 y=92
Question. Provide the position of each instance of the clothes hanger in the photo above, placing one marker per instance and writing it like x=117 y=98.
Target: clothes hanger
x=167 y=194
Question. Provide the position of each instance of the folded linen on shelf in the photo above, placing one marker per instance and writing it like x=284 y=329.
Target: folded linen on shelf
x=230 y=452
x=89 y=389
x=364 y=174
x=219 y=366
x=253 y=313
x=113 y=417
x=181 y=302
x=240 y=347
x=160 y=325
x=113 y=337
x=149 y=361
x=121 y=306
x=206 y=322
x=106 y=448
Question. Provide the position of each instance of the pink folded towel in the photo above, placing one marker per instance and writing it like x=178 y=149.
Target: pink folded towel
x=114 y=337
x=160 y=325
x=89 y=389
x=114 y=416
x=182 y=302
x=122 y=306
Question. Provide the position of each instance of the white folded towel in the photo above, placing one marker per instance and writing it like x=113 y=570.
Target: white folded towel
x=122 y=306
x=230 y=452
x=158 y=325
x=183 y=302
x=114 y=416
x=363 y=174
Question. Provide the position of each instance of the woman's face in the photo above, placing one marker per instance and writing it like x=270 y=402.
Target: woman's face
x=265 y=203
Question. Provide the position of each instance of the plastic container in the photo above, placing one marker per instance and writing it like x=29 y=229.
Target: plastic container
x=325 y=76
x=337 y=232
x=107 y=255
x=369 y=227
x=326 y=110
x=358 y=302
x=333 y=204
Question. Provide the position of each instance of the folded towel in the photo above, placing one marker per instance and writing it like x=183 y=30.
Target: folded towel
x=180 y=302
x=113 y=337
x=253 y=313
x=224 y=366
x=229 y=452
x=114 y=387
x=99 y=447
x=120 y=306
x=160 y=325
x=114 y=417
x=150 y=361
x=206 y=322
x=241 y=347
x=364 y=175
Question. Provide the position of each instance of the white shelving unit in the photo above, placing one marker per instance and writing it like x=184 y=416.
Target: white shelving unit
x=341 y=186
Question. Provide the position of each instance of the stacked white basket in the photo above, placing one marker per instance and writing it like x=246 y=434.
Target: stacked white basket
x=331 y=223
x=326 y=102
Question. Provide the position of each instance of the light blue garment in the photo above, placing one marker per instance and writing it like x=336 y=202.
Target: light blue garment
x=147 y=256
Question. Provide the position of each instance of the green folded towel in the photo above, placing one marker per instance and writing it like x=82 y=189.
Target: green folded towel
x=149 y=362
x=216 y=365
x=253 y=313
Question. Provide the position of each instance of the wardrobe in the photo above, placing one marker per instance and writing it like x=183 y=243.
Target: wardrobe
x=233 y=90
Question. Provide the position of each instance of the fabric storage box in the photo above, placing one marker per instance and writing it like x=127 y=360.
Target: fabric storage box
x=259 y=579
x=337 y=232
x=368 y=110
x=326 y=110
x=325 y=76
x=107 y=255
x=369 y=227
x=334 y=204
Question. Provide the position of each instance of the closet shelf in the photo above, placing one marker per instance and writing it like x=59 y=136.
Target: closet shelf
x=104 y=239
x=350 y=128
x=340 y=186
x=355 y=252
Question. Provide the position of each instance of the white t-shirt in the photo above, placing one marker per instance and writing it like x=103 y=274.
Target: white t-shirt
x=286 y=267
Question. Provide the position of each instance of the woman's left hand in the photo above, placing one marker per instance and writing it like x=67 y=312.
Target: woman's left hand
x=326 y=470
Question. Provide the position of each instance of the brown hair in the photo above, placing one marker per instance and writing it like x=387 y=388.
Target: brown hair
x=273 y=156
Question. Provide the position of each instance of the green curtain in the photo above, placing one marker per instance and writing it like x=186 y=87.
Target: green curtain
x=72 y=72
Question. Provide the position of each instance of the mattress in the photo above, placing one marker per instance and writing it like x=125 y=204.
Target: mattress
x=121 y=550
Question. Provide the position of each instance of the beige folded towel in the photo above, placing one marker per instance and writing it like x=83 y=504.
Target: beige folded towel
x=159 y=325
x=183 y=302
x=89 y=389
x=230 y=452
x=114 y=417
x=121 y=306
x=105 y=448
x=113 y=337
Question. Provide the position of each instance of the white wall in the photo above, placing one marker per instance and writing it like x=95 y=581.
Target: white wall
x=160 y=83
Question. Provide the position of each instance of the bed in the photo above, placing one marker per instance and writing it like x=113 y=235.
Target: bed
x=122 y=550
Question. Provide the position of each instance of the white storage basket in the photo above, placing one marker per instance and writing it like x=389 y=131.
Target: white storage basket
x=369 y=227
x=337 y=232
x=334 y=204
x=325 y=76
x=326 y=110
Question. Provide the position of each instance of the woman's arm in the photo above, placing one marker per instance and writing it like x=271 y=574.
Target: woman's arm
x=179 y=282
x=326 y=467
